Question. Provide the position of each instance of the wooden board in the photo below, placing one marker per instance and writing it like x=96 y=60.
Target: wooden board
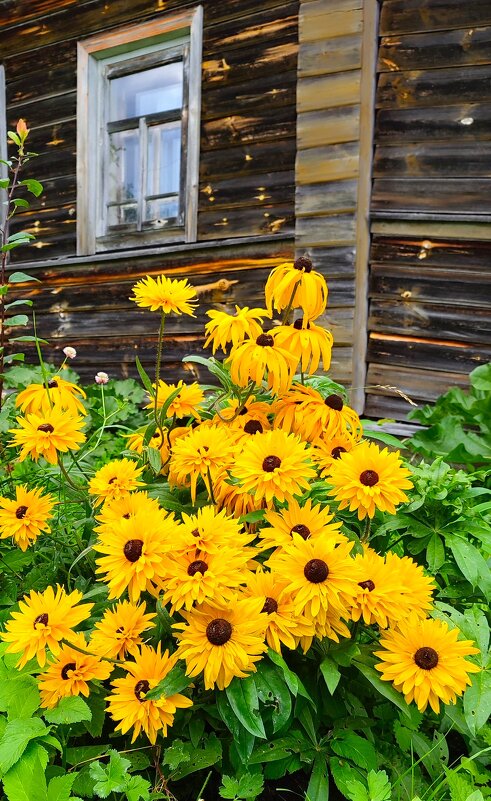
x=424 y=354
x=434 y=87
x=461 y=122
x=457 y=48
x=432 y=320
x=406 y=16
x=447 y=195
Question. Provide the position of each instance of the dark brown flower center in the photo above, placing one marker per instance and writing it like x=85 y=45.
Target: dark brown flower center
x=303 y=263
x=120 y=630
x=43 y=619
x=46 y=427
x=316 y=571
x=271 y=463
x=426 y=658
x=66 y=669
x=304 y=531
x=112 y=480
x=369 y=478
x=265 y=340
x=337 y=451
x=20 y=513
x=141 y=689
x=127 y=516
x=298 y=324
x=367 y=585
x=133 y=550
x=334 y=402
x=198 y=566
x=253 y=427
x=219 y=631
x=53 y=384
x=195 y=532
x=244 y=410
x=270 y=606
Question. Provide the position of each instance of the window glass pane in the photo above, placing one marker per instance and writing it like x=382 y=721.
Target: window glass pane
x=124 y=214
x=146 y=92
x=158 y=211
x=124 y=167
x=164 y=159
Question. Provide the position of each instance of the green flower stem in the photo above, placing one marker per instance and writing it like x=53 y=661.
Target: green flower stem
x=157 y=373
x=366 y=534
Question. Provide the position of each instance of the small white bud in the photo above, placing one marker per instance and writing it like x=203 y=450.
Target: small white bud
x=101 y=378
x=69 y=352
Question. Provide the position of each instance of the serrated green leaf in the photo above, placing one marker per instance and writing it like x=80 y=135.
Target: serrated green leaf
x=19 y=695
x=72 y=709
x=17 y=735
x=25 y=781
x=355 y=748
x=60 y=787
x=137 y=789
x=208 y=754
x=112 y=777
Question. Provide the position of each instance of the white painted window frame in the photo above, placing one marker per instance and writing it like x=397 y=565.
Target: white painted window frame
x=93 y=55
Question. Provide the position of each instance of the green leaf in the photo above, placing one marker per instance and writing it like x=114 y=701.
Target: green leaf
x=379 y=787
x=273 y=691
x=112 y=777
x=471 y=563
x=17 y=319
x=72 y=709
x=294 y=684
x=208 y=754
x=383 y=687
x=175 y=681
x=477 y=701
x=229 y=787
x=137 y=789
x=17 y=735
x=20 y=302
x=144 y=377
x=19 y=695
x=25 y=781
x=435 y=553
x=97 y=705
x=248 y=786
x=20 y=202
x=243 y=698
x=154 y=459
x=19 y=277
x=480 y=378
x=60 y=787
x=243 y=739
x=318 y=787
x=331 y=674
x=355 y=748
x=33 y=186
x=343 y=774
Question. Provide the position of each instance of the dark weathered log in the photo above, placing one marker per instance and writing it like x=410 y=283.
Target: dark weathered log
x=387 y=407
x=406 y=16
x=46 y=111
x=432 y=320
x=463 y=122
x=434 y=87
x=237 y=66
x=248 y=191
x=433 y=284
x=432 y=194
x=274 y=92
x=458 y=48
x=246 y=222
x=421 y=354
x=423 y=160
x=248 y=129
x=247 y=160
x=261 y=23
x=337 y=196
x=462 y=256
x=425 y=385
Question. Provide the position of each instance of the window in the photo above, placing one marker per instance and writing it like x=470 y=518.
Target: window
x=138 y=135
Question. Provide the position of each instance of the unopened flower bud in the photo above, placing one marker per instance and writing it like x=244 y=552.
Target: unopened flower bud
x=101 y=378
x=69 y=352
x=22 y=129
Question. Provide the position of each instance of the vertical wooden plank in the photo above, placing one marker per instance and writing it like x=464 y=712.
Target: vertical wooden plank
x=367 y=120
x=194 y=120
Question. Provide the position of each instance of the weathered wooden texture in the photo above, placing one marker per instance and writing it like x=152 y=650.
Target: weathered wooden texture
x=430 y=264
x=89 y=315
x=328 y=130
x=249 y=70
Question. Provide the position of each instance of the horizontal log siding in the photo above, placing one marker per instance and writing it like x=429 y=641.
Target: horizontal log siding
x=430 y=275
x=247 y=172
x=328 y=156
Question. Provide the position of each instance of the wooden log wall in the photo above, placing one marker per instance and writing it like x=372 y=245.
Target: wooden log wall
x=330 y=177
x=247 y=163
x=430 y=263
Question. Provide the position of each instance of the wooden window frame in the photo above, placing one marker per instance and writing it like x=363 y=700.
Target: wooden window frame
x=4 y=173
x=160 y=37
